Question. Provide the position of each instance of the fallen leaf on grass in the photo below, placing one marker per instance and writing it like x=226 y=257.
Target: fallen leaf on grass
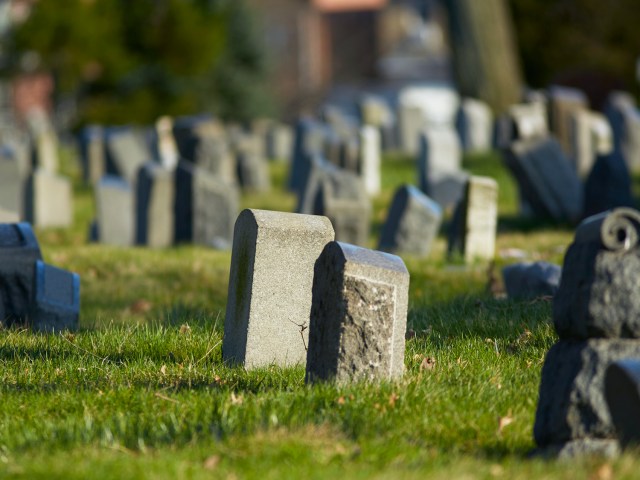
x=604 y=472
x=185 y=328
x=212 y=462
x=163 y=369
x=503 y=422
x=236 y=399
x=140 y=306
x=428 y=363
x=341 y=401
x=392 y=399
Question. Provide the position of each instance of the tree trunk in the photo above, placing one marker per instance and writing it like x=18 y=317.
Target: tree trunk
x=485 y=59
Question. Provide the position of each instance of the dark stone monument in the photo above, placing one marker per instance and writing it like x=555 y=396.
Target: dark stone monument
x=608 y=185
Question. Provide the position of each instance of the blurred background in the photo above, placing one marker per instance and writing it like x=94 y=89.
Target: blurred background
x=118 y=61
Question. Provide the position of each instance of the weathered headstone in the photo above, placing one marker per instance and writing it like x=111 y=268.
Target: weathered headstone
x=531 y=280
x=474 y=123
x=563 y=103
x=270 y=284
x=56 y=306
x=279 y=142
x=590 y=136
x=115 y=211
x=253 y=170
x=125 y=152
x=370 y=159
x=547 y=182
x=622 y=393
x=595 y=314
x=48 y=200
x=412 y=223
x=19 y=252
x=92 y=153
x=608 y=185
x=155 y=199
x=358 y=315
x=474 y=227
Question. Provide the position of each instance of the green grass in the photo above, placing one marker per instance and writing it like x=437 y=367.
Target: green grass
x=141 y=390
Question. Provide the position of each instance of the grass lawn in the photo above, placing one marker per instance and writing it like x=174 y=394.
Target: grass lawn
x=141 y=391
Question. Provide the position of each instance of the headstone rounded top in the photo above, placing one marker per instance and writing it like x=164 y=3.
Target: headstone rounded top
x=356 y=255
x=275 y=220
x=617 y=230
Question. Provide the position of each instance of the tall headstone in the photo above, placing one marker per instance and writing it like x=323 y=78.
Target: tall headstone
x=474 y=228
x=155 y=199
x=115 y=211
x=269 y=300
x=48 y=200
x=412 y=223
x=564 y=102
x=92 y=153
x=595 y=314
x=125 y=153
x=370 y=159
x=546 y=179
x=358 y=315
x=474 y=123
x=590 y=136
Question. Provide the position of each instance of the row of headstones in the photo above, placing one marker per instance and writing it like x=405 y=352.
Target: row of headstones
x=30 y=187
x=296 y=296
x=33 y=293
x=553 y=142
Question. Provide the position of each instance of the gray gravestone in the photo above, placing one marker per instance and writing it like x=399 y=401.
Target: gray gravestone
x=253 y=169
x=12 y=184
x=358 y=315
x=475 y=223
x=590 y=136
x=370 y=159
x=608 y=185
x=547 y=182
x=563 y=103
x=622 y=393
x=531 y=280
x=115 y=211
x=48 y=200
x=270 y=282
x=474 y=123
x=310 y=138
x=215 y=207
x=279 y=142
x=125 y=153
x=155 y=199
x=92 y=153
x=19 y=251
x=412 y=223
x=56 y=306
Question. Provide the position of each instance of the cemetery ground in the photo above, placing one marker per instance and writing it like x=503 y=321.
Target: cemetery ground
x=141 y=389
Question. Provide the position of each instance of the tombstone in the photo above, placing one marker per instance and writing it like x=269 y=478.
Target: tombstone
x=590 y=136
x=439 y=162
x=350 y=154
x=126 y=152
x=253 y=170
x=309 y=140
x=474 y=124
x=358 y=315
x=269 y=300
x=374 y=111
x=115 y=210
x=531 y=279
x=608 y=185
x=205 y=208
x=45 y=151
x=595 y=314
x=56 y=306
x=546 y=180
x=412 y=223
x=48 y=200
x=155 y=199
x=370 y=159
x=530 y=120
x=411 y=122
x=630 y=146
x=474 y=226
x=92 y=154
x=563 y=103
x=617 y=104
x=12 y=184
x=622 y=393
x=166 y=143
x=279 y=142
x=19 y=251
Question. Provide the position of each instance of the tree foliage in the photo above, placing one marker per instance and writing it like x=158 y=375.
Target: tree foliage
x=132 y=61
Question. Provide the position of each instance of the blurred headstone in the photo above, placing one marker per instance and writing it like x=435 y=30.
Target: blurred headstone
x=48 y=200
x=115 y=211
x=155 y=199
x=474 y=123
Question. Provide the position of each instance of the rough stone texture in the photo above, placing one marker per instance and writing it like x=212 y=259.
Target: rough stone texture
x=125 y=153
x=571 y=403
x=57 y=299
x=608 y=185
x=547 y=182
x=48 y=201
x=531 y=279
x=215 y=207
x=563 y=104
x=155 y=198
x=475 y=223
x=92 y=153
x=358 y=315
x=622 y=393
x=19 y=252
x=598 y=293
x=474 y=123
x=370 y=153
x=270 y=281
x=11 y=182
x=412 y=223
x=115 y=211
